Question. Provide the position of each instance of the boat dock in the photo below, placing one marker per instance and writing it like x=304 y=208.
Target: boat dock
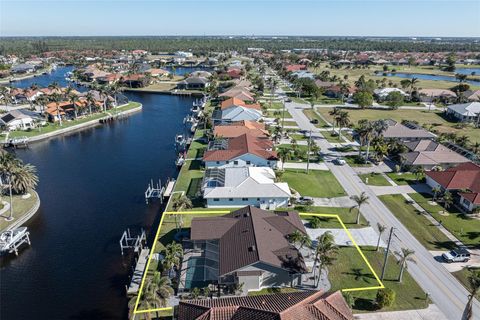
x=137 y=276
x=11 y=240
x=169 y=188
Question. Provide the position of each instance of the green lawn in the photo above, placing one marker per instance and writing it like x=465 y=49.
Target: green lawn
x=404 y=178
x=463 y=227
x=317 y=183
x=355 y=161
x=347 y=216
x=311 y=114
x=196 y=149
x=277 y=114
x=350 y=271
x=20 y=208
x=462 y=277
x=189 y=180
x=374 y=179
x=298 y=136
x=427 y=233
x=289 y=123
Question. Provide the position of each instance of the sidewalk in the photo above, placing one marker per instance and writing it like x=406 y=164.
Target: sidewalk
x=430 y=313
x=303 y=165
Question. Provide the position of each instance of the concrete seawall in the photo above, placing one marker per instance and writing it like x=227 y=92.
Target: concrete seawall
x=27 y=216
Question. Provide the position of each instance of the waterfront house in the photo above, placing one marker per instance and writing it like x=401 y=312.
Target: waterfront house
x=234 y=109
x=248 y=246
x=463 y=181
x=432 y=95
x=241 y=186
x=240 y=151
x=23 y=68
x=235 y=129
x=238 y=93
x=406 y=132
x=193 y=83
x=20 y=120
x=312 y=305
x=295 y=67
x=430 y=154
x=465 y=112
x=134 y=80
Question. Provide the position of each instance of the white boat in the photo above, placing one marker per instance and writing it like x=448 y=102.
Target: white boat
x=193 y=127
x=180 y=161
x=12 y=239
x=179 y=139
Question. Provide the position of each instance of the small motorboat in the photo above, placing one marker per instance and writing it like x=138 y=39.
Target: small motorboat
x=193 y=127
x=180 y=139
x=180 y=160
x=10 y=240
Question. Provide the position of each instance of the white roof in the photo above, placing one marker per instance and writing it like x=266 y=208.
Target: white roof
x=385 y=91
x=235 y=113
x=249 y=182
x=466 y=109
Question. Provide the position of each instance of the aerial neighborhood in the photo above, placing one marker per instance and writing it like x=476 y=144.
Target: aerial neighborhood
x=307 y=183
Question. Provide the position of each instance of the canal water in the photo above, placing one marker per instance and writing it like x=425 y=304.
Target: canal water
x=427 y=77
x=92 y=187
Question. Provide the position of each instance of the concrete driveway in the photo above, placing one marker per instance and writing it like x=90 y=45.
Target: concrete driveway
x=457 y=266
x=381 y=190
x=430 y=313
x=362 y=236
x=303 y=165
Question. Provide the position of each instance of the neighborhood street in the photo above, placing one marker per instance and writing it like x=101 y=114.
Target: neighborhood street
x=445 y=291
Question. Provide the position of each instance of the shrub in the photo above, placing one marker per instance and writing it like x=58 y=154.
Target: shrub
x=385 y=298
x=315 y=222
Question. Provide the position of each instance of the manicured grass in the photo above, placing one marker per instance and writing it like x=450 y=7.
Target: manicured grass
x=355 y=161
x=427 y=233
x=463 y=227
x=189 y=178
x=272 y=291
x=160 y=86
x=299 y=100
x=289 y=123
x=50 y=127
x=277 y=114
x=374 y=179
x=347 y=216
x=434 y=118
x=350 y=271
x=462 y=277
x=20 y=208
x=311 y=114
x=196 y=149
x=332 y=137
x=298 y=136
x=316 y=183
x=404 y=178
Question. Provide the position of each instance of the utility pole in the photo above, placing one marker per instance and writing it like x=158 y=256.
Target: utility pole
x=308 y=151
x=385 y=259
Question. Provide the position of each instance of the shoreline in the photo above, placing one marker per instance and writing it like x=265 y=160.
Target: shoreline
x=28 y=76
x=27 y=216
x=81 y=126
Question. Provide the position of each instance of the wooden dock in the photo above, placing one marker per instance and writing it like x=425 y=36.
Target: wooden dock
x=169 y=188
x=137 y=276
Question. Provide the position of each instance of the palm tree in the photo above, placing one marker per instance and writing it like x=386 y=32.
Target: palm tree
x=474 y=287
x=90 y=101
x=463 y=140
x=343 y=120
x=74 y=100
x=381 y=229
x=447 y=199
x=284 y=155
x=324 y=253
x=24 y=178
x=334 y=113
x=405 y=256
x=157 y=291
x=419 y=171
x=411 y=84
x=296 y=237
x=359 y=200
x=436 y=190
x=56 y=97
x=181 y=203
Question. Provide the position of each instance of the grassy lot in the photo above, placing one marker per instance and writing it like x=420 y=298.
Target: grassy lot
x=189 y=180
x=354 y=161
x=374 y=179
x=50 y=127
x=303 y=149
x=332 y=137
x=463 y=275
x=423 y=117
x=196 y=149
x=463 y=227
x=161 y=86
x=277 y=114
x=427 y=233
x=351 y=271
x=298 y=136
x=299 y=100
x=321 y=184
x=311 y=114
x=404 y=178
x=289 y=123
x=20 y=208
x=347 y=216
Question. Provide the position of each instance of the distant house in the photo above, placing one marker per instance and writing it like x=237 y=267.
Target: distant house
x=20 y=120
x=430 y=95
x=406 y=132
x=312 y=305
x=239 y=93
x=158 y=73
x=193 y=83
x=235 y=129
x=463 y=181
x=465 y=112
x=248 y=246
x=430 y=154
x=234 y=109
x=472 y=95
x=242 y=151
x=23 y=68
x=134 y=80
x=241 y=186
x=295 y=67
x=383 y=93
x=303 y=74
x=235 y=73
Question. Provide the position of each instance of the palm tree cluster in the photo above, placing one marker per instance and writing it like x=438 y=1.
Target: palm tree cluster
x=371 y=133
x=173 y=255
x=22 y=177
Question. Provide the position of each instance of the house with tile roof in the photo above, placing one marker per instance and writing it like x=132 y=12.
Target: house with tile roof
x=241 y=186
x=194 y=83
x=242 y=151
x=235 y=109
x=238 y=128
x=430 y=154
x=406 y=132
x=248 y=246
x=303 y=305
x=465 y=112
x=463 y=181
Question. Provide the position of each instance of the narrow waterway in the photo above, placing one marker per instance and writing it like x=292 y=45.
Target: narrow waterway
x=91 y=187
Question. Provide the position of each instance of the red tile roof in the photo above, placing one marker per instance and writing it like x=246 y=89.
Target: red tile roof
x=295 y=67
x=241 y=145
x=237 y=102
x=463 y=176
x=239 y=128
x=303 y=305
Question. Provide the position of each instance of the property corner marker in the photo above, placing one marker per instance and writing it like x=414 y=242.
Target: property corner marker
x=335 y=216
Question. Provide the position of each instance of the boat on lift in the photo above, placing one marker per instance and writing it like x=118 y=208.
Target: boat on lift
x=11 y=240
x=180 y=160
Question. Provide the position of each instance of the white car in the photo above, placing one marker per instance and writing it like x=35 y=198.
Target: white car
x=339 y=162
x=457 y=255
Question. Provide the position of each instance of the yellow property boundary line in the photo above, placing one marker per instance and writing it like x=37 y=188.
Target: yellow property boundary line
x=136 y=311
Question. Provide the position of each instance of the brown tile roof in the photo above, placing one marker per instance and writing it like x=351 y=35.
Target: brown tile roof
x=302 y=305
x=463 y=176
x=235 y=129
x=237 y=102
x=250 y=235
x=241 y=145
x=431 y=153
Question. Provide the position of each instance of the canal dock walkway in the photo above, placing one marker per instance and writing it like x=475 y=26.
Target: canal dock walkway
x=138 y=273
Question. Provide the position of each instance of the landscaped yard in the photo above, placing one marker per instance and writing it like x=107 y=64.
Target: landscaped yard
x=463 y=275
x=466 y=229
x=311 y=114
x=347 y=216
x=351 y=271
x=404 y=178
x=277 y=114
x=189 y=180
x=316 y=183
x=20 y=208
x=374 y=179
x=427 y=233
x=422 y=116
x=289 y=123
x=355 y=161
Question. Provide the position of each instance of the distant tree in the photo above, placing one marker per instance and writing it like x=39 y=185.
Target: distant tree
x=363 y=99
x=394 y=99
x=381 y=229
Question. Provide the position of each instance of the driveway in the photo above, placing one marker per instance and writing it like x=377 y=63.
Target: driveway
x=362 y=236
x=303 y=165
x=343 y=202
x=381 y=190
x=457 y=266
x=430 y=313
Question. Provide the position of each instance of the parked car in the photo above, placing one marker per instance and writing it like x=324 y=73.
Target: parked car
x=339 y=162
x=457 y=255
x=314 y=121
x=305 y=201
x=288 y=100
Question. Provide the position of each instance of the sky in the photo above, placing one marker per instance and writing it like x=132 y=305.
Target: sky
x=439 y=18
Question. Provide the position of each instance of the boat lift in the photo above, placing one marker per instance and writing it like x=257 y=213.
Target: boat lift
x=135 y=243
x=11 y=240
x=154 y=191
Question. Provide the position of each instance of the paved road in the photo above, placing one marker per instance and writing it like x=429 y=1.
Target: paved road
x=446 y=292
